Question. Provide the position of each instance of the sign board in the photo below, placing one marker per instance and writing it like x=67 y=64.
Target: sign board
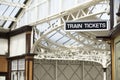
x=86 y=26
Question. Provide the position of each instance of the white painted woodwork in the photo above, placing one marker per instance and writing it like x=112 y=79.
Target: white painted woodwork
x=17 y=44
x=3 y=46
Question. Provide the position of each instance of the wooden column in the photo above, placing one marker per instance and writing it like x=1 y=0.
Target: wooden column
x=29 y=66
x=112 y=60
x=28 y=42
x=3 y=66
x=28 y=58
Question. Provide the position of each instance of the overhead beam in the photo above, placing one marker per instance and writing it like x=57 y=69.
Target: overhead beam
x=66 y=12
x=5 y=2
x=21 y=13
x=7 y=18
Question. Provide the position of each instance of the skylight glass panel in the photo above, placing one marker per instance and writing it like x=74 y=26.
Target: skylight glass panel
x=21 y=1
x=6 y=25
x=42 y=27
x=75 y=44
x=16 y=1
x=63 y=32
x=105 y=16
x=70 y=42
x=56 y=36
x=63 y=40
x=51 y=34
x=9 y=11
x=3 y=7
x=15 y=12
x=66 y=41
x=1 y=23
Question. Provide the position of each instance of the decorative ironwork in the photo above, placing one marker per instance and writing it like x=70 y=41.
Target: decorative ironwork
x=68 y=70
x=85 y=46
x=102 y=57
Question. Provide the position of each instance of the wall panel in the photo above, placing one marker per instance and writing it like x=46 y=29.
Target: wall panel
x=17 y=44
x=3 y=46
x=68 y=70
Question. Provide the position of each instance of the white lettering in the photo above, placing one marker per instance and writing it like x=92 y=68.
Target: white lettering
x=74 y=26
x=94 y=25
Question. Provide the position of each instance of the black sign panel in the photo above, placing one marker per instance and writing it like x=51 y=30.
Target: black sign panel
x=86 y=26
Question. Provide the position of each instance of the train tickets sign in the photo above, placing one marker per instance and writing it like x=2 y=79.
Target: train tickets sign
x=86 y=25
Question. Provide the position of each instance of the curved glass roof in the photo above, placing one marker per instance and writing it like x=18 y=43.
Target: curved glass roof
x=50 y=37
x=9 y=12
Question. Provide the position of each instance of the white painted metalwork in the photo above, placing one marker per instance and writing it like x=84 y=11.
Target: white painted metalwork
x=6 y=2
x=10 y=11
x=22 y=13
x=7 y=18
x=88 y=48
x=104 y=74
x=70 y=12
x=94 y=56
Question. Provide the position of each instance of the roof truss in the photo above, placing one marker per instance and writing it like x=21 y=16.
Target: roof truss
x=6 y=2
x=7 y=18
x=45 y=48
x=12 y=6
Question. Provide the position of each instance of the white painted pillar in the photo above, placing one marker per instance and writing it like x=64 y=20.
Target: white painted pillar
x=56 y=70
x=83 y=71
x=104 y=73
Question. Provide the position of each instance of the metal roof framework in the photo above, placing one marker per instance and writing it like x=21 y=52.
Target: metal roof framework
x=52 y=42
x=10 y=12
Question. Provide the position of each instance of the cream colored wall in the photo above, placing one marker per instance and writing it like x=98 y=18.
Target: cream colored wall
x=3 y=46
x=17 y=44
x=117 y=57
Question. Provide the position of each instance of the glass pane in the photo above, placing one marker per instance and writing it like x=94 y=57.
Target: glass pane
x=21 y=75
x=56 y=36
x=2 y=78
x=116 y=11
x=9 y=11
x=21 y=64
x=14 y=75
x=4 y=8
x=7 y=24
x=54 y=6
x=15 y=12
x=14 y=65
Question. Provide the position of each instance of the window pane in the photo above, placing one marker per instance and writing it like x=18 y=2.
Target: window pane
x=21 y=75
x=2 y=78
x=14 y=75
x=14 y=65
x=21 y=64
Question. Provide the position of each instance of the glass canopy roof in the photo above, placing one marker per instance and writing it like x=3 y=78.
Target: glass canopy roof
x=9 y=11
x=51 y=38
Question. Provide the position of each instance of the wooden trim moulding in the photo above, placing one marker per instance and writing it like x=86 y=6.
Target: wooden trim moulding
x=113 y=33
x=3 y=73
x=6 y=35
x=21 y=56
x=116 y=31
x=20 y=30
